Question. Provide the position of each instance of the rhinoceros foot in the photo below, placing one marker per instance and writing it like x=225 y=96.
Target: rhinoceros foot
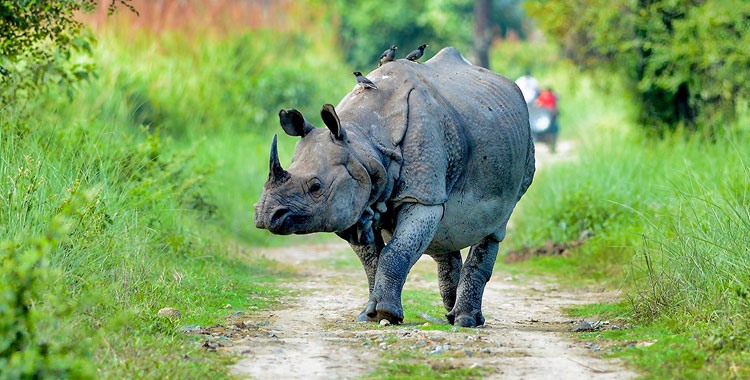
x=364 y=318
x=385 y=310
x=472 y=318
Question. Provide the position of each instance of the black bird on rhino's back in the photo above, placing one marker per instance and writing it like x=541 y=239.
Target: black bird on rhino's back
x=417 y=54
x=364 y=82
x=388 y=55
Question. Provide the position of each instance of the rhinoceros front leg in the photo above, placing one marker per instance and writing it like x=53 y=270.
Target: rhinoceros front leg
x=415 y=227
x=449 y=273
x=368 y=256
x=467 y=312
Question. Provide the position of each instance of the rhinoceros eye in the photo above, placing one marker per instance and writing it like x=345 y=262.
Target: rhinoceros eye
x=314 y=187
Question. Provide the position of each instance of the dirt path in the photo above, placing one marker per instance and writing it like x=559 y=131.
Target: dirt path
x=565 y=152
x=316 y=335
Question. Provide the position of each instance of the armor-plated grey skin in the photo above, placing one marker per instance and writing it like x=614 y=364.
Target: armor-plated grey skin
x=433 y=161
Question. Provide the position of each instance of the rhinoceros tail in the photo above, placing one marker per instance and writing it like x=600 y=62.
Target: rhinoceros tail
x=530 y=168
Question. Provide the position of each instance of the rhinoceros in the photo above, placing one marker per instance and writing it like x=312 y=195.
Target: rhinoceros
x=431 y=162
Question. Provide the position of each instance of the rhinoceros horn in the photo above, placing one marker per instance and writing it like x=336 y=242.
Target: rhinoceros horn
x=276 y=173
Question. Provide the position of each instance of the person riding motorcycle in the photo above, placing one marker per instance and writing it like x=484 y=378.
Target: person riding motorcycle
x=543 y=117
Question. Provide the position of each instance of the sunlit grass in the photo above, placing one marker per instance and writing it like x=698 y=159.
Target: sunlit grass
x=670 y=226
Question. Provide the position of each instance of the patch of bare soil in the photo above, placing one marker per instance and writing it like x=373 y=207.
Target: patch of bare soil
x=315 y=334
x=549 y=248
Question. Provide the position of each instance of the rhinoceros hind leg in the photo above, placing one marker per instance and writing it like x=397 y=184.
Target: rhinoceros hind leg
x=471 y=319
x=476 y=271
x=449 y=273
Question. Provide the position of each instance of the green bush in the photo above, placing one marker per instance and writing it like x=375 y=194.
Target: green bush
x=25 y=351
x=368 y=28
x=39 y=37
x=686 y=61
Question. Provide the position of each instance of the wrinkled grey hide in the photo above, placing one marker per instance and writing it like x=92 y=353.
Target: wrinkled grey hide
x=432 y=162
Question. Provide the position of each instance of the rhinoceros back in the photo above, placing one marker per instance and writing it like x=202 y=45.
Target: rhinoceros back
x=462 y=130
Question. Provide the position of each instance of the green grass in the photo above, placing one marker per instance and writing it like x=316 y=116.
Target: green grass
x=397 y=371
x=668 y=347
x=670 y=221
x=426 y=301
x=130 y=197
x=113 y=224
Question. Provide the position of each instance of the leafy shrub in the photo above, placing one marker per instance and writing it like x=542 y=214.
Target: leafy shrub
x=686 y=61
x=24 y=352
x=27 y=304
x=38 y=39
x=368 y=27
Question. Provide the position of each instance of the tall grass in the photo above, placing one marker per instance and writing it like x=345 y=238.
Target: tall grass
x=670 y=220
x=125 y=218
x=225 y=94
x=144 y=178
x=703 y=245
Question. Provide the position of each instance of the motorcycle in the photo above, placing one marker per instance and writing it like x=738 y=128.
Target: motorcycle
x=544 y=128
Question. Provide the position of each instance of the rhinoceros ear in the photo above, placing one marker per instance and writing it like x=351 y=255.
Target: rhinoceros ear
x=331 y=120
x=293 y=123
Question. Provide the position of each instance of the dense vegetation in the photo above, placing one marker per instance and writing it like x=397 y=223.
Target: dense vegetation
x=670 y=221
x=124 y=193
x=687 y=62
x=39 y=38
x=366 y=28
x=132 y=190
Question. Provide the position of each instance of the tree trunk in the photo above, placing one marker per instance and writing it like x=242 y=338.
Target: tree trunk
x=482 y=34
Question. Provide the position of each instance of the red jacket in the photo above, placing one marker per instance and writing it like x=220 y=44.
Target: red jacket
x=547 y=100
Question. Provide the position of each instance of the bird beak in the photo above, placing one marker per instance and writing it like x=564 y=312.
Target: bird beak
x=395 y=48
x=427 y=45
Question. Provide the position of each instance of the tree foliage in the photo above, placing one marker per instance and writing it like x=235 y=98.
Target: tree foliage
x=37 y=39
x=509 y=15
x=687 y=61
x=370 y=27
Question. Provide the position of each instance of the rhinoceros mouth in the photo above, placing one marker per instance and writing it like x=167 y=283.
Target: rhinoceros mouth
x=285 y=222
